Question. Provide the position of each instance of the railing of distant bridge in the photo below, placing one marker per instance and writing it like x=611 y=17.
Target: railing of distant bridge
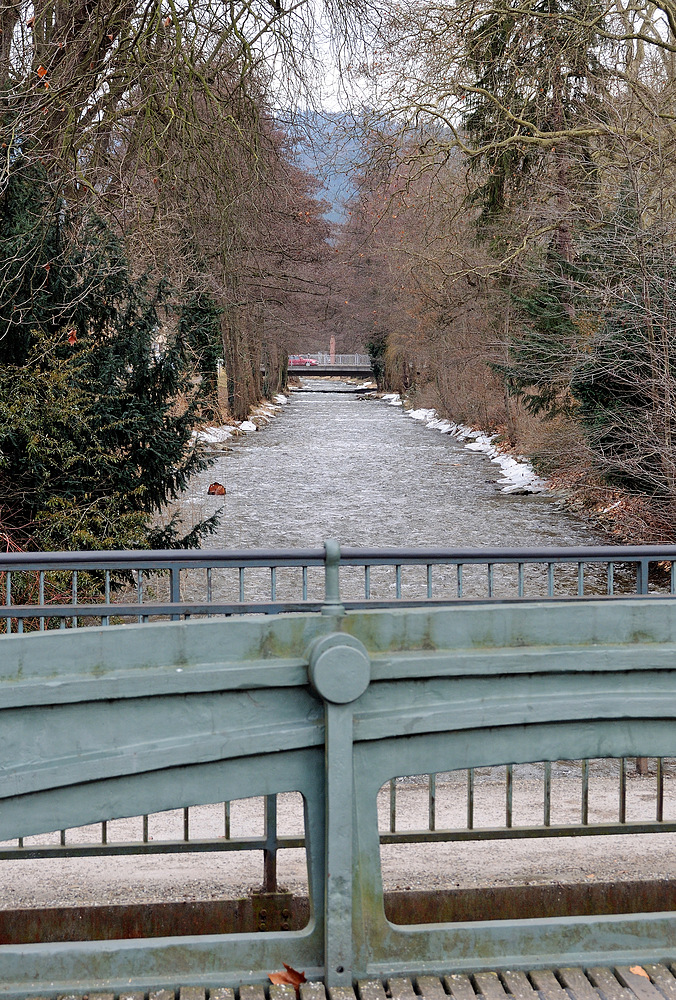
x=117 y=587
x=340 y=359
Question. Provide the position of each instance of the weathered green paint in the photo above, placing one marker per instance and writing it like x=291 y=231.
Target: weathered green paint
x=106 y=722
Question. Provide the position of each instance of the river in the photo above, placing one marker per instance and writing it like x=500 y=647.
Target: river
x=359 y=470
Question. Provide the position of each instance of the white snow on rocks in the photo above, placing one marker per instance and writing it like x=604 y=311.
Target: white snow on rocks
x=215 y=437
x=517 y=474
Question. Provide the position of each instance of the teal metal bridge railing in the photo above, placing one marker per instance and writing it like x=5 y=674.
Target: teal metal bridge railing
x=69 y=589
x=101 y=723
x=162 y=585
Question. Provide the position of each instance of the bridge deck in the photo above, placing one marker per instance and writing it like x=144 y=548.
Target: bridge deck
x=630 y=982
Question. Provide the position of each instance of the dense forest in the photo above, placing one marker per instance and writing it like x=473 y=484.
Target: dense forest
x=506 y=255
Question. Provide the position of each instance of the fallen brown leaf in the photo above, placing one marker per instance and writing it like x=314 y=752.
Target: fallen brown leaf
x=638 y=971
x=290 y=977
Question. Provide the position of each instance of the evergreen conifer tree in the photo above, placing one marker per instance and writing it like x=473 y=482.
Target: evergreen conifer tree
x=97 y=407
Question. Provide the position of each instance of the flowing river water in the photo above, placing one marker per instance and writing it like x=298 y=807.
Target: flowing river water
x=332 y=465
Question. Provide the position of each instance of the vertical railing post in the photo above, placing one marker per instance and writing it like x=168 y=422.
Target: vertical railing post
x=332 y=603
x=642 y=568
x=175 y=588
x=339 y=673
x=270 y=849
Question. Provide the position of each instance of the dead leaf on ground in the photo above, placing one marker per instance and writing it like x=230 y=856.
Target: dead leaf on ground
x=217 y=490
x=290 y=977
x=638 y=971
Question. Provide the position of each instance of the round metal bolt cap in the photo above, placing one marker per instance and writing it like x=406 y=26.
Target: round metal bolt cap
x=340 y=669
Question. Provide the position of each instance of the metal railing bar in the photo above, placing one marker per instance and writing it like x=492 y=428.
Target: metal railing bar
x=622 y=812
x=547 y=807
x=490 y=579
x=294 y=842
x=105 y=620
x=470 y=798
x=428 y=574
x=432 y=802
x=509 y=790
x=175 y=587
x=175 y=611
x=226 y=820
x=584 y=805
x=418 y=602
x=393 y=805
x=367 y=582
x=130 y=610
x=543 y=554
x=74 y=596
x=525 y=832
x=397 y=585
x=160 y=559
x=659 y=799
x=271 y=844
x=41 y=596
x=150 y=847
x=610 y=579
x=155 y=560
x=8 y=600
x=304 y=581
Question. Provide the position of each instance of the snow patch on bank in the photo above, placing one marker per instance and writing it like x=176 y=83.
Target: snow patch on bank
x=218 y=436
x=517 y=474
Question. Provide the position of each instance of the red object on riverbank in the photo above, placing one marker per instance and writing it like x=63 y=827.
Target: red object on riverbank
x=217 y=490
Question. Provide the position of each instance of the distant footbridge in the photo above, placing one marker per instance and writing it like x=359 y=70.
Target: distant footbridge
x=323 y=365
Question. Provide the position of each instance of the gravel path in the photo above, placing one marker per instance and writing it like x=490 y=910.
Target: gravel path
x=70 y=881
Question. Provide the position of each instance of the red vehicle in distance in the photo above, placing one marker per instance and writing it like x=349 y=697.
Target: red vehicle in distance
x=297 y=361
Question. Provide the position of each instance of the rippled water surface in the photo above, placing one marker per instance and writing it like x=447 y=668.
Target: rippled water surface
x=361 y=471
